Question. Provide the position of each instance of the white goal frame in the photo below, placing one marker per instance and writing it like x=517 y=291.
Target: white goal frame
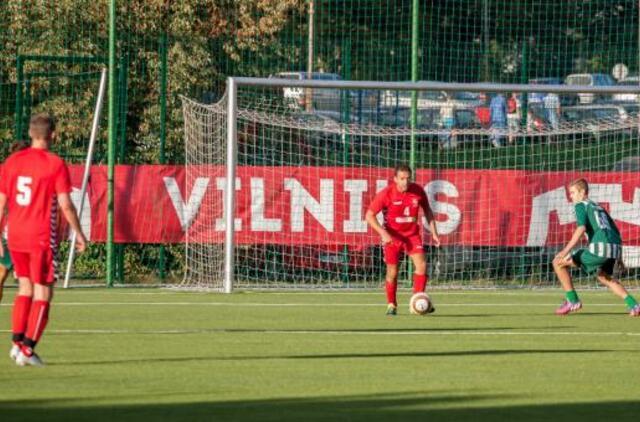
x=233 y=83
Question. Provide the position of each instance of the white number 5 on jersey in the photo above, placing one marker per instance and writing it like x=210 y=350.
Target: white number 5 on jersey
x=24 y=190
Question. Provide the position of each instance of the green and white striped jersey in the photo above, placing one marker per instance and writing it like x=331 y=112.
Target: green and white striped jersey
x=604 y=237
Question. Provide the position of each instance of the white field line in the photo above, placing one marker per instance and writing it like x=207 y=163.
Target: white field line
x=380 y=291
x=301 y=304
x=354 y=332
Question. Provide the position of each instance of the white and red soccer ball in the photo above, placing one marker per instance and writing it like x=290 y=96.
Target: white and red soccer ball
x=420 y=304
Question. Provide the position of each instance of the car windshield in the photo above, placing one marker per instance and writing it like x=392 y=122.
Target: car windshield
x=605 y=113
x=428 y=118
x=325 y=76
x=431 y=95
x=548 y=81
x=573 y=115
x=465 y=96
x=295 y=76
x=603 y=80
x=466 y=119
x=579 y=80
x=424 y=95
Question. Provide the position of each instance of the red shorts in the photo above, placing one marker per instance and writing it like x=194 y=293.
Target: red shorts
x=410 y=245
x=37 y=266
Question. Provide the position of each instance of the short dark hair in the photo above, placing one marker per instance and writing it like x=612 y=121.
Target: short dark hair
x=581 y=184
x=42 y=125
x=402 y=167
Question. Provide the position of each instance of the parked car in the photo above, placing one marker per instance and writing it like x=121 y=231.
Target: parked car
x=466 y=129
x=632 y=109
x=590 y=79
x=400 y=117
x=630 y=81
x=610 y=112
x=429 y=99
x=597 y=120
x=322 y=99
x=538 y=97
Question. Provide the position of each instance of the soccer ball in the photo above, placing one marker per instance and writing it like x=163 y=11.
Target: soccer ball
x=419 y=304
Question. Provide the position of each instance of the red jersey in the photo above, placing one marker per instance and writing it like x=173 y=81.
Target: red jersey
x=401 y=208
x=31 y=180
x=483 y=113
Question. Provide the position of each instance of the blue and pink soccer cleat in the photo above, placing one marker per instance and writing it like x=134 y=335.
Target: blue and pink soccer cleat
x=635 y=311
x=568 y=307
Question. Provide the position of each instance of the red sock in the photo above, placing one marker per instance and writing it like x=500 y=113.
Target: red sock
x=391 y=287
x=38 y=319
x=21 y=308
x=419 y=283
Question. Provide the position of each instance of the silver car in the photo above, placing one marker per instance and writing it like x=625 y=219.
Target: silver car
x=590 y=79
x=321 y=99
x=630 y=81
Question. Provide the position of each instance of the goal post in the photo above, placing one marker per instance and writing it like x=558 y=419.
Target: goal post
x=230 y=192
x=276 y=189
x=95 y=126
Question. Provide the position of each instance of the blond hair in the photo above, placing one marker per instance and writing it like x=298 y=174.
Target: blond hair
x=581 y=184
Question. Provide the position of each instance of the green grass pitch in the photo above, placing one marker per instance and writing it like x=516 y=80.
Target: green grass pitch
x=155 y=355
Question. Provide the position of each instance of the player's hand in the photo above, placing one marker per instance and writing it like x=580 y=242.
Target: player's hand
x=81 y=242
x=386 y=238
x=436 y=239
x=560 y=257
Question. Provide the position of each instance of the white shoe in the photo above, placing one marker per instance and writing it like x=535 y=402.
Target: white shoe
x=24 y=360
x=13 y=353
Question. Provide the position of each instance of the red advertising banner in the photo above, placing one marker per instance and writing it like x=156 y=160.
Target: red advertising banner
x=326 y=205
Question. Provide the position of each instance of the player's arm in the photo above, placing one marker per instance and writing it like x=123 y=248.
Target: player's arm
x=575 y=239
x=69 y=212
x=581 y=222
x=377 y=205
x=63 y=188
x=428 y=214
x=371 y=219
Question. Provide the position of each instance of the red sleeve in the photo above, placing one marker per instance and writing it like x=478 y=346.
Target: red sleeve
x=379 y=202
x=63 y=180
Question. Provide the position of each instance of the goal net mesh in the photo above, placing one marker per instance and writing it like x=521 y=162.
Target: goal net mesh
x=494 y=166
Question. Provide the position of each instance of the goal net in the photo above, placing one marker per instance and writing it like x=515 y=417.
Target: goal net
x=494 y=163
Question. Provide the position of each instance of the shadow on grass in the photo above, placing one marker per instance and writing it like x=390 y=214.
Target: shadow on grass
x=460 y=353
x=399 y=330
x=427 y=406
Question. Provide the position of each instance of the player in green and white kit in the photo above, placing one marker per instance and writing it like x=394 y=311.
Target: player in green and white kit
x=599 y=258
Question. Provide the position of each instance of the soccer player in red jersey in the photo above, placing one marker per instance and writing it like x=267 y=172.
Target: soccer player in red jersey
x=401 y=202
x=33 y=183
